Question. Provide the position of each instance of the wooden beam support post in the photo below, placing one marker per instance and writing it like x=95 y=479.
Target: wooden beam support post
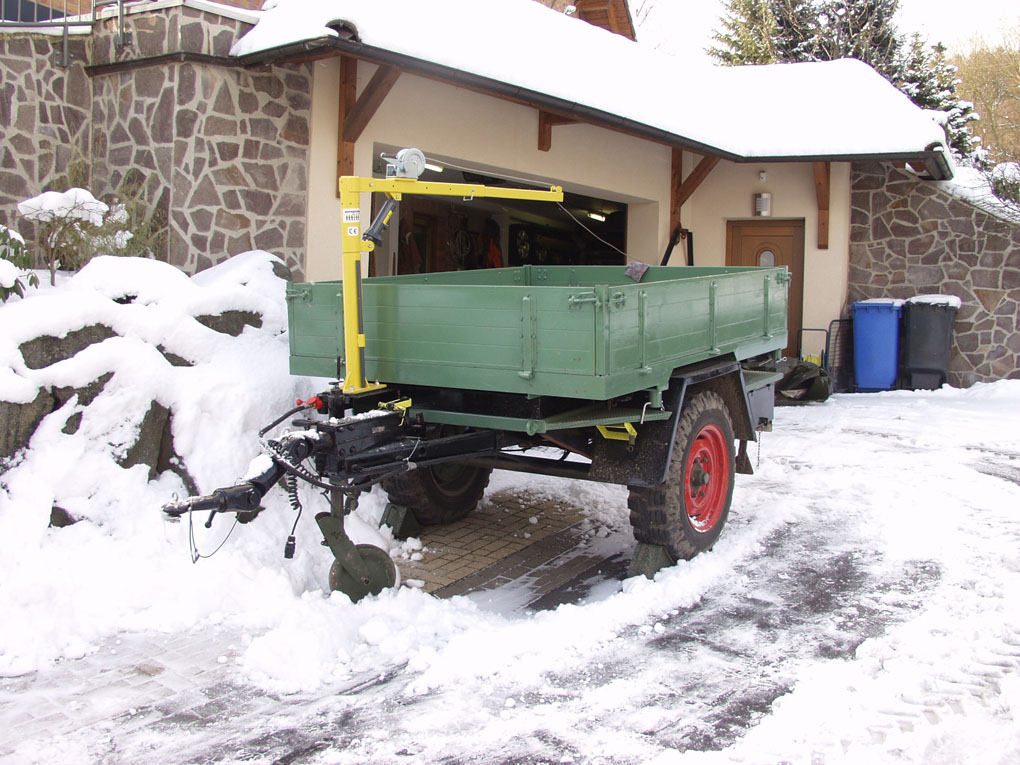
x=368 y=104
x=546 y=122
x=348 y=96
x=355 y=113
x=676 y=178
x=695 y=179
x=823 y=175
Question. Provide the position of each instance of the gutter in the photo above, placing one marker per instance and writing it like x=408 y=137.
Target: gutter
x=191 y=57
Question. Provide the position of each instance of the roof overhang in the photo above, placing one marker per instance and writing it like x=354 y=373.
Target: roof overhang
x=933 y=158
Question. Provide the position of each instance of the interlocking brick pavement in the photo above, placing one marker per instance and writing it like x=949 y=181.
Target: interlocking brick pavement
x=475 y=551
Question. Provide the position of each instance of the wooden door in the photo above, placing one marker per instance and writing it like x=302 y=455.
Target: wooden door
x=767 y=243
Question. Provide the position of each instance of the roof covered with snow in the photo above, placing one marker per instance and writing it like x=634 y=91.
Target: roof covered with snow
x=521 y=49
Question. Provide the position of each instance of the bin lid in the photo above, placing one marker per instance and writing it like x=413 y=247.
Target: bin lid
x=952 y=301
x=880 y=301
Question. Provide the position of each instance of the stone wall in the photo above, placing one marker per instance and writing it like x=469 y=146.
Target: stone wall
x=219 y=152
x=909 y=237
x=45 y=114
x=215 y=155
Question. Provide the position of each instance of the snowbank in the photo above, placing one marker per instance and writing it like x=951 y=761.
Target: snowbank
x=122 y=567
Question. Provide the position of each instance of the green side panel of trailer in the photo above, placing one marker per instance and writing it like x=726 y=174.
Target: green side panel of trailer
x=580 y=332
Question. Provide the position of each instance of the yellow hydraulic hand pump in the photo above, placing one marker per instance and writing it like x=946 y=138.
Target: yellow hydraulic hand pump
x=354 y=244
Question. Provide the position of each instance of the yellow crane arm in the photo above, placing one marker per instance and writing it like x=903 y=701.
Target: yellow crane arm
x=354 y=244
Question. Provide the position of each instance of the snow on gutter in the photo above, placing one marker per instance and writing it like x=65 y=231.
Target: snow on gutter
x=832 y=111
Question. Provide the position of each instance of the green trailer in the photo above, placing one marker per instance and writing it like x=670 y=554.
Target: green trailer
x=655 y=378
x=587 y=332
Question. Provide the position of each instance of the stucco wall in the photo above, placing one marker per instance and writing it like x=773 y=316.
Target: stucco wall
x=727 y=195
x=487 y=132
x=444 y=120
x=910 y=237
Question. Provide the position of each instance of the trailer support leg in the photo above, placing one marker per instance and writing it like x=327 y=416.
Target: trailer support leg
x=358 y=570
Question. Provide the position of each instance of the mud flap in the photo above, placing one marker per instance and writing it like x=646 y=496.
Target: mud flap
x=743 y=461
x=401 y=520
x=649 y=560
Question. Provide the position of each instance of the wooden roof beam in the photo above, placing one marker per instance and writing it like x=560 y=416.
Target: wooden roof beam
x=823 y=177
x=357 y=119
x=546 y=122
x=695 y=179
x=355 y=113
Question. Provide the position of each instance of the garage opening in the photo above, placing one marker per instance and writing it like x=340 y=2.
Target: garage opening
x=433 y=234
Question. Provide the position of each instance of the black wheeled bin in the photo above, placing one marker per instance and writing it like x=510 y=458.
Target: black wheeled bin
x=928 y=340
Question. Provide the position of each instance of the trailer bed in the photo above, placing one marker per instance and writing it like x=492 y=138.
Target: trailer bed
x=588 y=332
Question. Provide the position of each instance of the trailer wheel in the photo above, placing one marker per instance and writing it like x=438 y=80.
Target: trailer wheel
x=382 y=573
x=687 y=513
x=439 y=494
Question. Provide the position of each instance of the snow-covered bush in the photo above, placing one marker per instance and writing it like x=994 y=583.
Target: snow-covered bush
x=74 y=226
x=15 y=262
x=1005 y=182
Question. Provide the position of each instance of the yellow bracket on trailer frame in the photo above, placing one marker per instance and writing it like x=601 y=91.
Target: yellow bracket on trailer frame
x=622 y=432
x=353 y=245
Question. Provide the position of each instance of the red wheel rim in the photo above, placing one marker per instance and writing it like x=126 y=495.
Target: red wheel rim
x=707 y=478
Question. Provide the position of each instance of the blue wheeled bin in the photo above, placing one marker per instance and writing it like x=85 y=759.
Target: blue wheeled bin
x=876 y=343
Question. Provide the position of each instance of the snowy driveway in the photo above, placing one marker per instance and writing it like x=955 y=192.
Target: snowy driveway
x=861 y=606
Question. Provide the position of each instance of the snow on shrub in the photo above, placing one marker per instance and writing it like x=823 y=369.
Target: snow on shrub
x=74 y=226
x=15 y=262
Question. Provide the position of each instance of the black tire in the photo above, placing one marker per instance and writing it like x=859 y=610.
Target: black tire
x=687 y=513
x=440 y=494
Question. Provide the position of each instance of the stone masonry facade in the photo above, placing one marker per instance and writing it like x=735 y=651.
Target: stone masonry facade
x=909 y=237
x=217 y=154
x=45 y=118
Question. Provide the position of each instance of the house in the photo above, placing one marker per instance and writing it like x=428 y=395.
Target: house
x=234 y=125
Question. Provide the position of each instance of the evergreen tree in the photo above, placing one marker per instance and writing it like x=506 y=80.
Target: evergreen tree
x=749 y=33
x=930 y=81
x=797 y=30
x=861 y=29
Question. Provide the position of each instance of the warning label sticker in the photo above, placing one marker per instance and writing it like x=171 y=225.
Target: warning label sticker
x=352 y=215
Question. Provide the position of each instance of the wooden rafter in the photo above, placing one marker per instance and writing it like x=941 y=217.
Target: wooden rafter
x=355 y=113
x=368 y=103
x=546 y=122
x=823 y=176
x=695 y=179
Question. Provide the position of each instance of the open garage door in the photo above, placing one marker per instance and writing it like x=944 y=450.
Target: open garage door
x=443 y=234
